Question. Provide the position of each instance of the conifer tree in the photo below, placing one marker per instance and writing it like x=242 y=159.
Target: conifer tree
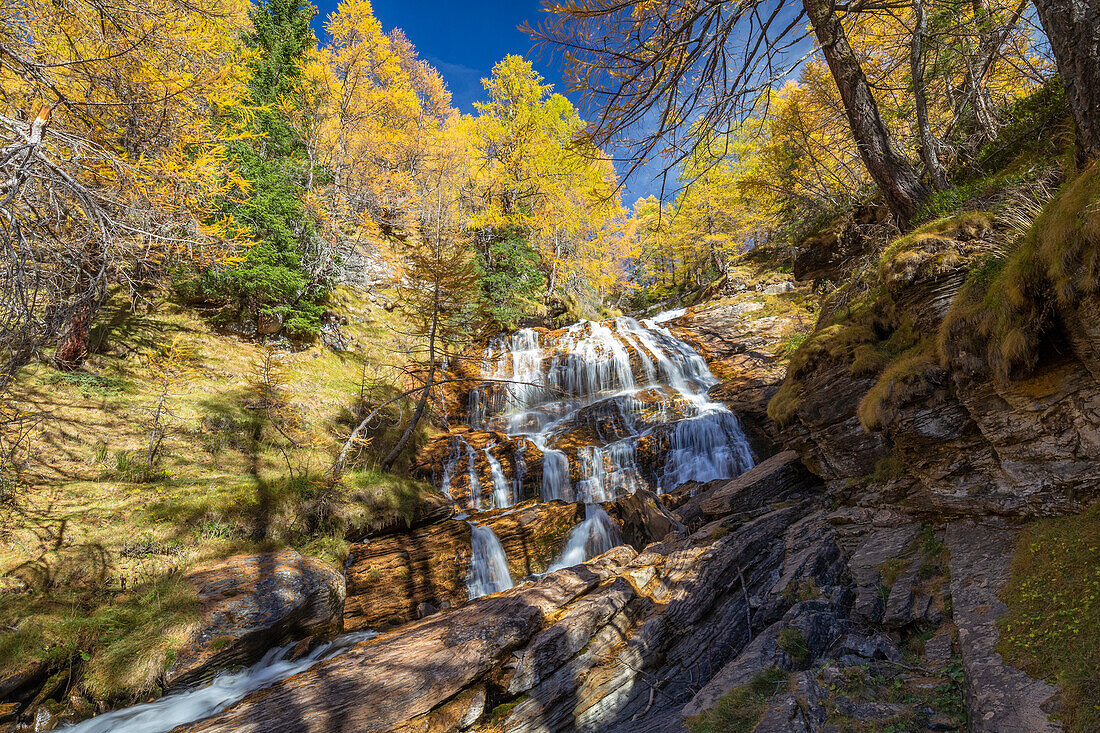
x=280 y=278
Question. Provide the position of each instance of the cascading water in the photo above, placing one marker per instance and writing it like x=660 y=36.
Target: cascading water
x=588 y=400
x=502 y=498
x=594 y=536
x=611 y=407
x=488 y=564
x=475 y=482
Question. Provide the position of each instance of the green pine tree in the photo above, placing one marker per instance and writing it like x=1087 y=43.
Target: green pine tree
x=274 y=278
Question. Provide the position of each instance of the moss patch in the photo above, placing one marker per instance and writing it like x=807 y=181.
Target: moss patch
x=1052 y=628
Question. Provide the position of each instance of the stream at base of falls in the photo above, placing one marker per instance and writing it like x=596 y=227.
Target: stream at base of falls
x=225 y=689
x=599 y=410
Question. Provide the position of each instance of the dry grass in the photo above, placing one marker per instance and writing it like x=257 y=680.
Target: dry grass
x=91 y=552
x=1000 y=319
x=911 y=374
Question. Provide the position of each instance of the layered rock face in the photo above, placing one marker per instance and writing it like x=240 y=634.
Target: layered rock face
x=767 y=582
x=955 y=439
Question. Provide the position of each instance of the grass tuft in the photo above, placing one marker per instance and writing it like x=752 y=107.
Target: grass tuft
x=742 y=708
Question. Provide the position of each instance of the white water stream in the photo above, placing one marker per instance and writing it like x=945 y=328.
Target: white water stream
x=488 y=564
x=228 y=687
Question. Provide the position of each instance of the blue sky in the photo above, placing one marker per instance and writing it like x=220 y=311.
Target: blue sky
x=463 y=40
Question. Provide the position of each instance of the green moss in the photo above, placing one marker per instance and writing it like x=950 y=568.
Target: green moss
x=933 y=552
x=1052 y=627
x=783 y=405
x=891 y=570
x=909 y=373
x=742 y=708
x=889 y=468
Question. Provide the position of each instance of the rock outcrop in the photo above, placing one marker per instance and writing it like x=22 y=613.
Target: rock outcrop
x=874 y=408
x=999 y=697
x=638 y=641
x=251 y=603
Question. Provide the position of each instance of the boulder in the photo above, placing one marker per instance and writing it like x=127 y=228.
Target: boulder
x=644 y=519
x=251 y=603
x=773 y=480
x=268 y=324
x=779 y=288
x=830 y=253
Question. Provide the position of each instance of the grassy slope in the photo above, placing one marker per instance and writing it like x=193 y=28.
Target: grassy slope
x=91 y=554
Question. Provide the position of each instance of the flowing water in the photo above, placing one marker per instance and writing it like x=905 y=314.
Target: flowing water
x=228 y=687
x=594 y=536
x=606 y=409
x=603 y=409
x=488 y=564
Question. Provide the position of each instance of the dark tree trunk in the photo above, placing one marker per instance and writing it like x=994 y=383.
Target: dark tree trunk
x=898 y=180
x=73 y=345
x=929 y=145
x=1073 y=28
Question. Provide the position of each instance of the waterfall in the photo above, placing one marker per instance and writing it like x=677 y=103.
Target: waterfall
x=475 y=482
x=589 y=397
x=594 y=536
x=555 y=471
x=608 y=471
x=449 y=468
x=705 y=448
x=226 y=688
x=488 y=564
x=519 y=461
x=502 y=498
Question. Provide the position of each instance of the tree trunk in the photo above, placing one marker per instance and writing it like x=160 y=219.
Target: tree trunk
x=899 y=181
x=928 y=143
x=975 y=86
x=1073 y=28
x=73 y=345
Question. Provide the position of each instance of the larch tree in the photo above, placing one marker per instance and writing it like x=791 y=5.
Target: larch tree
x=655 y=66
x=111 y=165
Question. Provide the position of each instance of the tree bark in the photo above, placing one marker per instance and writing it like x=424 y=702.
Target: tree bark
x=73 y=345
x=898 y=180
x=929 y=145
x=1073 y=29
